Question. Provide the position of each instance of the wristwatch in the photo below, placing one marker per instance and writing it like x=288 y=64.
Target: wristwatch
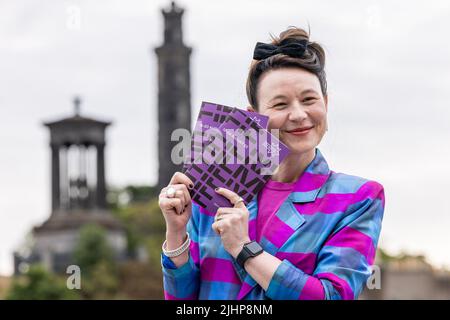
x=250 y=250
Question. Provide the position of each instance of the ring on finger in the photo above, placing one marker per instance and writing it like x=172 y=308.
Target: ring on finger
x=170 y=192
x=238 y=200
x=220 y=216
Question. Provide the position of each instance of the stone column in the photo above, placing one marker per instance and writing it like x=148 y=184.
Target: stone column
x=55 y=169
x=101 y=183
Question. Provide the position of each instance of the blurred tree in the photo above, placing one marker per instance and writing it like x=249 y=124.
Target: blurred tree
x=5 y=283
x=139 y=280
x=138 y=210
x=384 y=257
x=95 y=258
x=142 y=279
x=101 y=283
x=121 y=197
x=38 y=284
x=145 y=228
x=142 y=193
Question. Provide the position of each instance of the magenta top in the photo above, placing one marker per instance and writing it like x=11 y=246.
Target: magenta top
x=270 y=198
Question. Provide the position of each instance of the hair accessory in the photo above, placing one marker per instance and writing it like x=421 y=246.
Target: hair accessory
x=291 y=47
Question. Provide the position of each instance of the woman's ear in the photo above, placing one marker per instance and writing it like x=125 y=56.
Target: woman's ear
x=325 y=98
x=250 y=108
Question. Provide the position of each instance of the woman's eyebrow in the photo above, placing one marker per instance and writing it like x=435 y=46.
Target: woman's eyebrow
x=309 y=91
x=279 y=96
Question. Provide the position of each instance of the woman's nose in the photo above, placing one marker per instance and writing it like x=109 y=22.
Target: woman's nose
x=297 y=113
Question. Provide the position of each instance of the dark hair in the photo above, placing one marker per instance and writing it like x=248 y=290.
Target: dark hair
x=313 y=60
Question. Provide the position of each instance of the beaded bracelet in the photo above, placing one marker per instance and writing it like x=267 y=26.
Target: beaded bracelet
x=178 y=251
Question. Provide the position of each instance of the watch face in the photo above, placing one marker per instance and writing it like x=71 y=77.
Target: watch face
x=254 y=247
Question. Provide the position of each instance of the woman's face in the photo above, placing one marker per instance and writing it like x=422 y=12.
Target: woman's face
x=294 y=103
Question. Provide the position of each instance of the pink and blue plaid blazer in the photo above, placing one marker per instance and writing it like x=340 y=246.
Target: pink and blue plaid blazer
x=325 y=233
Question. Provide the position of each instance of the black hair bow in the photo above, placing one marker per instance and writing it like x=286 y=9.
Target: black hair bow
x=292 y=47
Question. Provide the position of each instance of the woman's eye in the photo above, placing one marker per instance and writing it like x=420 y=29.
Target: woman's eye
x=310 y=99
x=279 y=105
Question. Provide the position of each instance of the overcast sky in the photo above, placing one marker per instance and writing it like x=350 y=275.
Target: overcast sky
x=388 y=71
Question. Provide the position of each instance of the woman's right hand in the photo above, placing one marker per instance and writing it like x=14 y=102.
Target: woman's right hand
x=177 y=209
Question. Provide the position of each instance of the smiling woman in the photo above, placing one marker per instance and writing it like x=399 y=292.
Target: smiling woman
x=310 y=233
x=287 y=82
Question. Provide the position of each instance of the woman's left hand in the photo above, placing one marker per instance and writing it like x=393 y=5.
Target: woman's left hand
x=232 y=223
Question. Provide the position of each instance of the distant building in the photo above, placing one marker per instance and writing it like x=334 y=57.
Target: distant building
x=78 y=194
x=409 y=278
x=174 y=92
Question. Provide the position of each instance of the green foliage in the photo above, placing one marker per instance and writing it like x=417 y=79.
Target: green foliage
x=95 y=258
x=402 y=256
x=140 y=280
x=101 y=283
x=137 y=209
x=92 y=248
x=142 y=193
x=145 y=227
x=122 y=197
x=383 y=256
x=38 y=284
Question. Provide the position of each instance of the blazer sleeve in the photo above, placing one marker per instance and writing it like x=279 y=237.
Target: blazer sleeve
x=344 y=261
x=183 y=283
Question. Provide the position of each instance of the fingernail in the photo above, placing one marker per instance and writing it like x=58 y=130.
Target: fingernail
x=216 y=189
x=191 y=186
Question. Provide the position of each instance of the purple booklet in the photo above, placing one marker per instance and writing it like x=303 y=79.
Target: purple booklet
x=210 y=116
x=231 y=148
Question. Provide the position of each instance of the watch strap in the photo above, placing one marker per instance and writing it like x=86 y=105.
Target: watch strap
x=246 y=253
